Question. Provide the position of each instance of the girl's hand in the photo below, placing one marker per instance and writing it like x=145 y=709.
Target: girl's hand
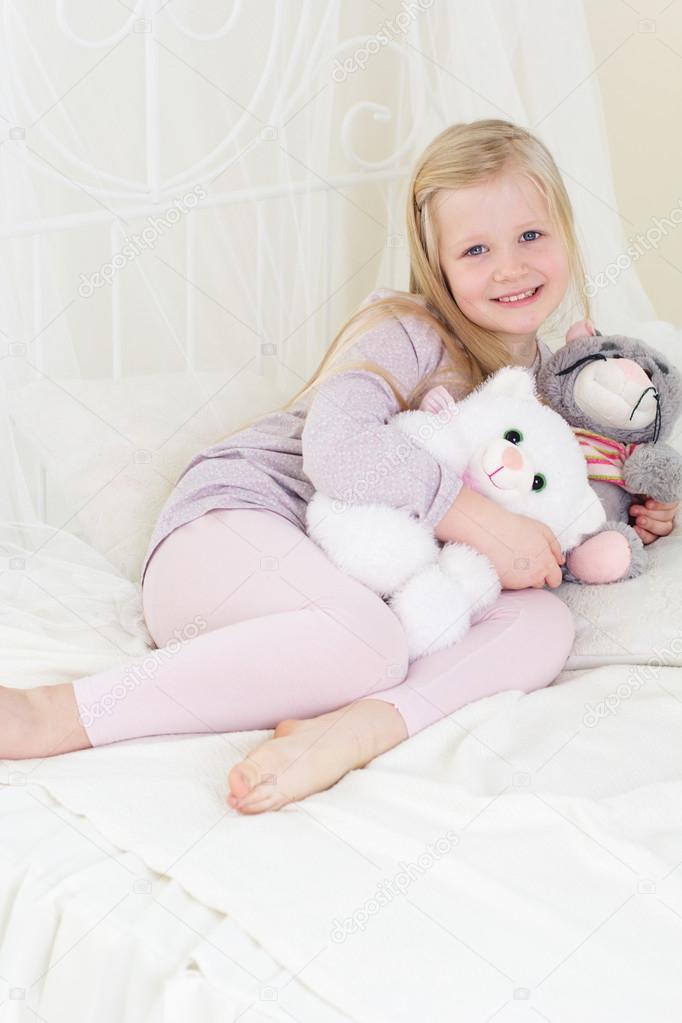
x=654 y=520
x=524 y=551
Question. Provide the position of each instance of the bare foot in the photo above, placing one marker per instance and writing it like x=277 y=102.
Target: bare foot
x=312 y=754
x=39 y=722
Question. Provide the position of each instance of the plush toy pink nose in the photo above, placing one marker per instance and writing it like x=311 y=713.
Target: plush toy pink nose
x=512 y=458
x=632 y=371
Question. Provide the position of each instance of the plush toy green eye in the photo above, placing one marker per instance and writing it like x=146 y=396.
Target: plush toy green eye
x=539 y=481
x=514 y=436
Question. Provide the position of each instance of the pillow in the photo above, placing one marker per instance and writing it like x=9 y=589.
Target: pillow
x=638 y=621
x=113 y=449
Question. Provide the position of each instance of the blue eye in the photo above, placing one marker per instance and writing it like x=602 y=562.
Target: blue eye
x=472 y=252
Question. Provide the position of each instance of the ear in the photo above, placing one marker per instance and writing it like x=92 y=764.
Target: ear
x=511 y=381
x=437 y=400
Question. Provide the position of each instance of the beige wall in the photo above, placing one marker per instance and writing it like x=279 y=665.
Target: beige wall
x=638 y=56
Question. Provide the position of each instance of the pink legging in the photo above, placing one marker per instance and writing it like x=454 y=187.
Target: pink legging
x=254 y=624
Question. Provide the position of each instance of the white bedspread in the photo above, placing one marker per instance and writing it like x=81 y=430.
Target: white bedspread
x=90 y=933
x=521 y=853
x=521 y=859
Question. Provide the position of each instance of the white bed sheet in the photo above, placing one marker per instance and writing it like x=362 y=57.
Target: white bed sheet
x=560 y=889
x=91 y=933
x=560 y=895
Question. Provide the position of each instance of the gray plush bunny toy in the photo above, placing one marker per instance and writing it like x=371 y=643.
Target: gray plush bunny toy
x=622 y=398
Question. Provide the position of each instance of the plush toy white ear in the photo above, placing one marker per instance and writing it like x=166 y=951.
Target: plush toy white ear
x=512 y=381
x=438 y=401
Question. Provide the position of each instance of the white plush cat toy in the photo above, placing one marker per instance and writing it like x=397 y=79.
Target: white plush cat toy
x=504 y=443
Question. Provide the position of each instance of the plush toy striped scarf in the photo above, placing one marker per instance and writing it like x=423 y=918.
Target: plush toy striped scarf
x=605 y=457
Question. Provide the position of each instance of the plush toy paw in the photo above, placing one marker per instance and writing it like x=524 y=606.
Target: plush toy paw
x=434 y=611
x=379 y=546
x=437 y=605
x=475 y=572
x=613 y=555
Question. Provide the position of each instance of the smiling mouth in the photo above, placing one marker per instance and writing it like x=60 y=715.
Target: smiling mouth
x=519 y=296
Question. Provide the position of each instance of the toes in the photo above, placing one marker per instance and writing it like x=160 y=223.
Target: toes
x=260 y=806
x=286 y=727
x=266 y=790
x=267 y=798
x=243 y=777
x=243 y=782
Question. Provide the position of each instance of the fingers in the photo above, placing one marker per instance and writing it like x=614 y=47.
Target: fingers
x=555 y=547
x=658 y=525
x=661 y=527
x=655 y=520
x=657 y=506
x=660 y=504
x=653 y=514
x=645 y=536
x=554 y=577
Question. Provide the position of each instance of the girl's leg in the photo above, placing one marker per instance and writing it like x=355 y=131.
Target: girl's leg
x=253 y=625
x=521 y=642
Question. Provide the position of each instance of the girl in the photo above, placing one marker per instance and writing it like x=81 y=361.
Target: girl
x=274 y=634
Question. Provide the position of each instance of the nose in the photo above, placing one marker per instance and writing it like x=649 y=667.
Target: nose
x=510 y=274
x=509 y=268
x=511 y=458
x=632 y=371
x=617 y=373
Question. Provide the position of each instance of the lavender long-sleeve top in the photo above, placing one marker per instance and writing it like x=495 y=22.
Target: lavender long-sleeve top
x=337 y=440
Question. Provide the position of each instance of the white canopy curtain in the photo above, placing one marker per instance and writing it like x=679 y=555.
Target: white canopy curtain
x=193 y=199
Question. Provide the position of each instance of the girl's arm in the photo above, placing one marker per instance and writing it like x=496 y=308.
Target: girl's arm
x=524 y=551
x=353 y=453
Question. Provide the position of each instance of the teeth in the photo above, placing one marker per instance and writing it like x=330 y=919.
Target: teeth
x=517 y=298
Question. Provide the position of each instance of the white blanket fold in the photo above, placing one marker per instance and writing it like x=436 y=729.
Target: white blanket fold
x=509 y=848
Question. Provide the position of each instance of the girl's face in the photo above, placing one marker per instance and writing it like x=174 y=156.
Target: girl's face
x=496 y=240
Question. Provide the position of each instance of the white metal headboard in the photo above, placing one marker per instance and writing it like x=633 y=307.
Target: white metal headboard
x=125 y=202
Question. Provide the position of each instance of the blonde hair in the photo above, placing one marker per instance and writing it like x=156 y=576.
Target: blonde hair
x=460 y=156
